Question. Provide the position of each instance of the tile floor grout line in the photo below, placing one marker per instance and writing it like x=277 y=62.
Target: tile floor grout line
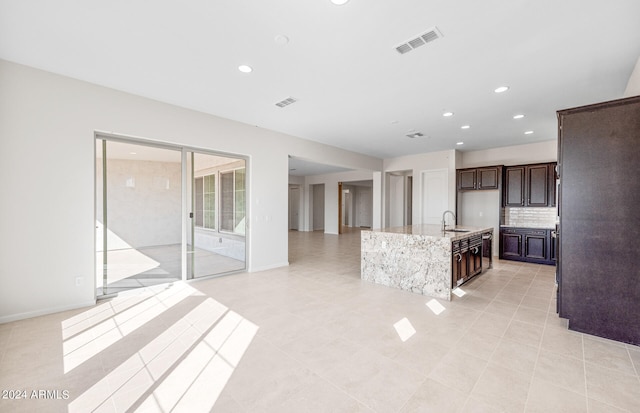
x=632 y=363
x=535 y=365
x=490 y=357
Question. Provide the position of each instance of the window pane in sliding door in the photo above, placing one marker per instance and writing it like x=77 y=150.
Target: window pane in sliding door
x=143 y=230
x=216 y=246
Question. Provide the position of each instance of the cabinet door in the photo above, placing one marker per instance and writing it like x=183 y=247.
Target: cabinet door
x=535 y=246
x=552 y=245
x=466 y=179
x=459 y=267
x=537 y=185
x=511 y=245
x=514 y=186
x=475 y=260
x=552 y=185
x=488 y=178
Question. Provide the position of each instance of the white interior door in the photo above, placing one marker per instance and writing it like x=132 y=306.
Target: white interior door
x=294 y=207
x=435 y=195
x=396 y=200
x=318 y=207
x=365 y=206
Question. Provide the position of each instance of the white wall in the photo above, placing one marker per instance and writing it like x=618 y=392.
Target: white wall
x=418 y=163
x=633 y=85
x=47 y=233
x=144 y=202
x=546 y=151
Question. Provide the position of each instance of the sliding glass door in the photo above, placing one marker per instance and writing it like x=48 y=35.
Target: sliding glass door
x=166 y=213
x=216 y=239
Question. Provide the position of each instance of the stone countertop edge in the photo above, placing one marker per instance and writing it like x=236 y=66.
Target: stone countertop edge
x=433 y=231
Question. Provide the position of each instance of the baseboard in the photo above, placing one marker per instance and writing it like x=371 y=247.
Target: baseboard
x=268 y=267
x=37 y=313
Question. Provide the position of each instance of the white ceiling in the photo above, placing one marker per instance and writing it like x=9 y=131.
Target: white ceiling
x=354 y=90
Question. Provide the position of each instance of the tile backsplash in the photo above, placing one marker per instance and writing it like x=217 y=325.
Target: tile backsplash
x=530 y=217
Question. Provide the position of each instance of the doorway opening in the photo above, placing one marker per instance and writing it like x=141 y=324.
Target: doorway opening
x=166 y=213
x=356 y=205
x=399 y=198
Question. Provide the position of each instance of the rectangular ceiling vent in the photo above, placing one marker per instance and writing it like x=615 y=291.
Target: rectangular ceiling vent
x=286 y=102
x=420 y=40
x=415 y=135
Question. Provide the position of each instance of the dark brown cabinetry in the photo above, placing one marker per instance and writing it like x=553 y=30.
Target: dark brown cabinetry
x=466 y=259
x=475 y=255
x=479 y=178
x=598 y=272
x=529 y=185
x=460 y=262
x=526 y=244
x=513 y=186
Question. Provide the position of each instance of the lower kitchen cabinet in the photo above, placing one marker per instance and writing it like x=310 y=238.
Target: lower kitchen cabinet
x=527 y=244
x=466 y=259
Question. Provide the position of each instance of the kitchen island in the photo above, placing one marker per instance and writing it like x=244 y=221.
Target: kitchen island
x=417 y=258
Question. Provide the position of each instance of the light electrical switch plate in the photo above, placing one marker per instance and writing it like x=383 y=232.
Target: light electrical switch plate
x=480 y=213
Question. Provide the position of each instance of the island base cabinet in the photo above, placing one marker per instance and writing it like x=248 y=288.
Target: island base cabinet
x=459 y=267
x=466 y=259
x=475 y=260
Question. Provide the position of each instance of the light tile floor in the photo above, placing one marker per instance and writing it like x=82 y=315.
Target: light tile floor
x=314 y=337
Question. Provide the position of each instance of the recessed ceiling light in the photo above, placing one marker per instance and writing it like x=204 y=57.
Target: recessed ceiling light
x=465 y=127
x=460 y=143
x=133 y=153
x=518 y=116
x=339 y=2
x=245 y=69
x=501 y=89
x=447 y=114
x=529 y=132
x=394 y=122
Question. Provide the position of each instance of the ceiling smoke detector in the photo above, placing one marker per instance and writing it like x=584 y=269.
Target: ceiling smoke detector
x=415 y=135
x=420 y=40
x=286 y=102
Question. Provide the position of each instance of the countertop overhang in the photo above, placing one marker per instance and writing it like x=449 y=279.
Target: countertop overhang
x=435 y=231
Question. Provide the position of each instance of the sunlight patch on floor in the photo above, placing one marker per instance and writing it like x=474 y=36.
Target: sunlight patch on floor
x=405 y=329
x=82 y=346
x=435 y=306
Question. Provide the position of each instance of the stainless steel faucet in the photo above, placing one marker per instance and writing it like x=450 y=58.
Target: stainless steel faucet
x=444 y=222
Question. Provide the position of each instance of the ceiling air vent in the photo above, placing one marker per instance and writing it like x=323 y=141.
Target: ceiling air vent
x=286 y=102
x=420 y=40
x=415 y=135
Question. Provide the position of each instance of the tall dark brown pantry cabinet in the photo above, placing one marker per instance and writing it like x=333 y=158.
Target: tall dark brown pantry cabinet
x=599 y=207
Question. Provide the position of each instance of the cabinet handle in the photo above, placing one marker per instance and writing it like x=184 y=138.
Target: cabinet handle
x=459 y=257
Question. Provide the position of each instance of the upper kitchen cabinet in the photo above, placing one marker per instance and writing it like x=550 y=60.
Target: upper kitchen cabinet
x=598 y=273
x=479 y=178
x=529 y=185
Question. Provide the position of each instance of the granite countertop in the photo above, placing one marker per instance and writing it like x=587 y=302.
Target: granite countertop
x=430 y=230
